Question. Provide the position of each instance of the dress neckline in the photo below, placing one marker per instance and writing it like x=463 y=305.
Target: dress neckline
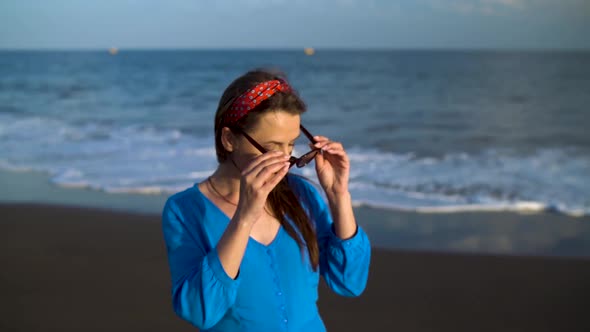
x=228 y=219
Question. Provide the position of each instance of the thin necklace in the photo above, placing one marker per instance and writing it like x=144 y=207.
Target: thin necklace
x=210 y=182
x=218 y=193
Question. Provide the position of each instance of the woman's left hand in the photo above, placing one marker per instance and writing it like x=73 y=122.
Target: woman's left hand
x=332 y=166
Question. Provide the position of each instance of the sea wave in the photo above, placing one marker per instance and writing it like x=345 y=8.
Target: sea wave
x=143 y=159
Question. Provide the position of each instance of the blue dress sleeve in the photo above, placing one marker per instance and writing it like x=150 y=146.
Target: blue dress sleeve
x=344 y=263
x=202 y=292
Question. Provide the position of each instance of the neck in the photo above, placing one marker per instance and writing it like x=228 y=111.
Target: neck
x=227 y=180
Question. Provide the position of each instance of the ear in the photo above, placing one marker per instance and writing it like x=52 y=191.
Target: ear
x=228 y=139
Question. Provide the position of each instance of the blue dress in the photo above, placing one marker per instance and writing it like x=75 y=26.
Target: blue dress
x=276 y=288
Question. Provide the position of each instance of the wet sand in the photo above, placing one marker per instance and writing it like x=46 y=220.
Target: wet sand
x=81 y=269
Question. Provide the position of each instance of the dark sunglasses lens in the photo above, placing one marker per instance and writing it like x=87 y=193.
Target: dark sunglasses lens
x=307 y=158
x=292 y=161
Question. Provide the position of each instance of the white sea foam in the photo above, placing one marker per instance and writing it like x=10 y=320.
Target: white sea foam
x=151 y=160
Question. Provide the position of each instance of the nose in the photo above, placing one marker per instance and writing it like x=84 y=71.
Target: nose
x=286 y=150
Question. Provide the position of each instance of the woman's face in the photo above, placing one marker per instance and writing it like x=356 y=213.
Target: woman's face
x=275 y=131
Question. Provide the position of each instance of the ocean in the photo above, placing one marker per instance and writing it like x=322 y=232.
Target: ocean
x=426 y=131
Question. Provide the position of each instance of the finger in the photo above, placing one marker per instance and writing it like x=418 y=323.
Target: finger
x=319 y=145
x=332 y=146
x=262 y=160
x=321 y=142
x=336 y=157
x=267 y=173
x=319 y=161
x=314 y=147
x=336 y=152
x=257 y=171
x=276 y=178
x=320 y=138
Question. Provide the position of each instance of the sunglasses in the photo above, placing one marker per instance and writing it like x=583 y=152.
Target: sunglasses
x=301 y=161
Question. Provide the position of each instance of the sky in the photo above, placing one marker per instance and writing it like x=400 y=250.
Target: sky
x=279 y=24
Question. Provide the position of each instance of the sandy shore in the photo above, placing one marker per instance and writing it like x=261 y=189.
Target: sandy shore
x=79 y=269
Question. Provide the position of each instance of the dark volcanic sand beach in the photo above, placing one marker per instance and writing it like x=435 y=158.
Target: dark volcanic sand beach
x=80 y=269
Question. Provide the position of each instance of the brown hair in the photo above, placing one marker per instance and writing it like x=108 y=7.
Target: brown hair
x=282 y=200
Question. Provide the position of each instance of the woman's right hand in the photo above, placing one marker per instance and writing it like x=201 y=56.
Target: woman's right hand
x=258 y=179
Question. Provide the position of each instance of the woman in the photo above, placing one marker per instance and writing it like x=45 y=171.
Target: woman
x=247 y=245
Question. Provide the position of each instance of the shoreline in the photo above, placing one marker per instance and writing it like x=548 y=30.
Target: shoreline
x=506 y=233
x=78 y=268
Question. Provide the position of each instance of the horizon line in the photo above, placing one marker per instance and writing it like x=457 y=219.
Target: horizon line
x=292 y=48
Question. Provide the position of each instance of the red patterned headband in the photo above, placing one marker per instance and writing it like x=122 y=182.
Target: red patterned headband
x=252 y=98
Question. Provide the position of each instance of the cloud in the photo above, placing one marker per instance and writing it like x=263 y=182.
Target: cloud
x=307 y=4
x=487 y=7
x=508 y=3
x=502 y=7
